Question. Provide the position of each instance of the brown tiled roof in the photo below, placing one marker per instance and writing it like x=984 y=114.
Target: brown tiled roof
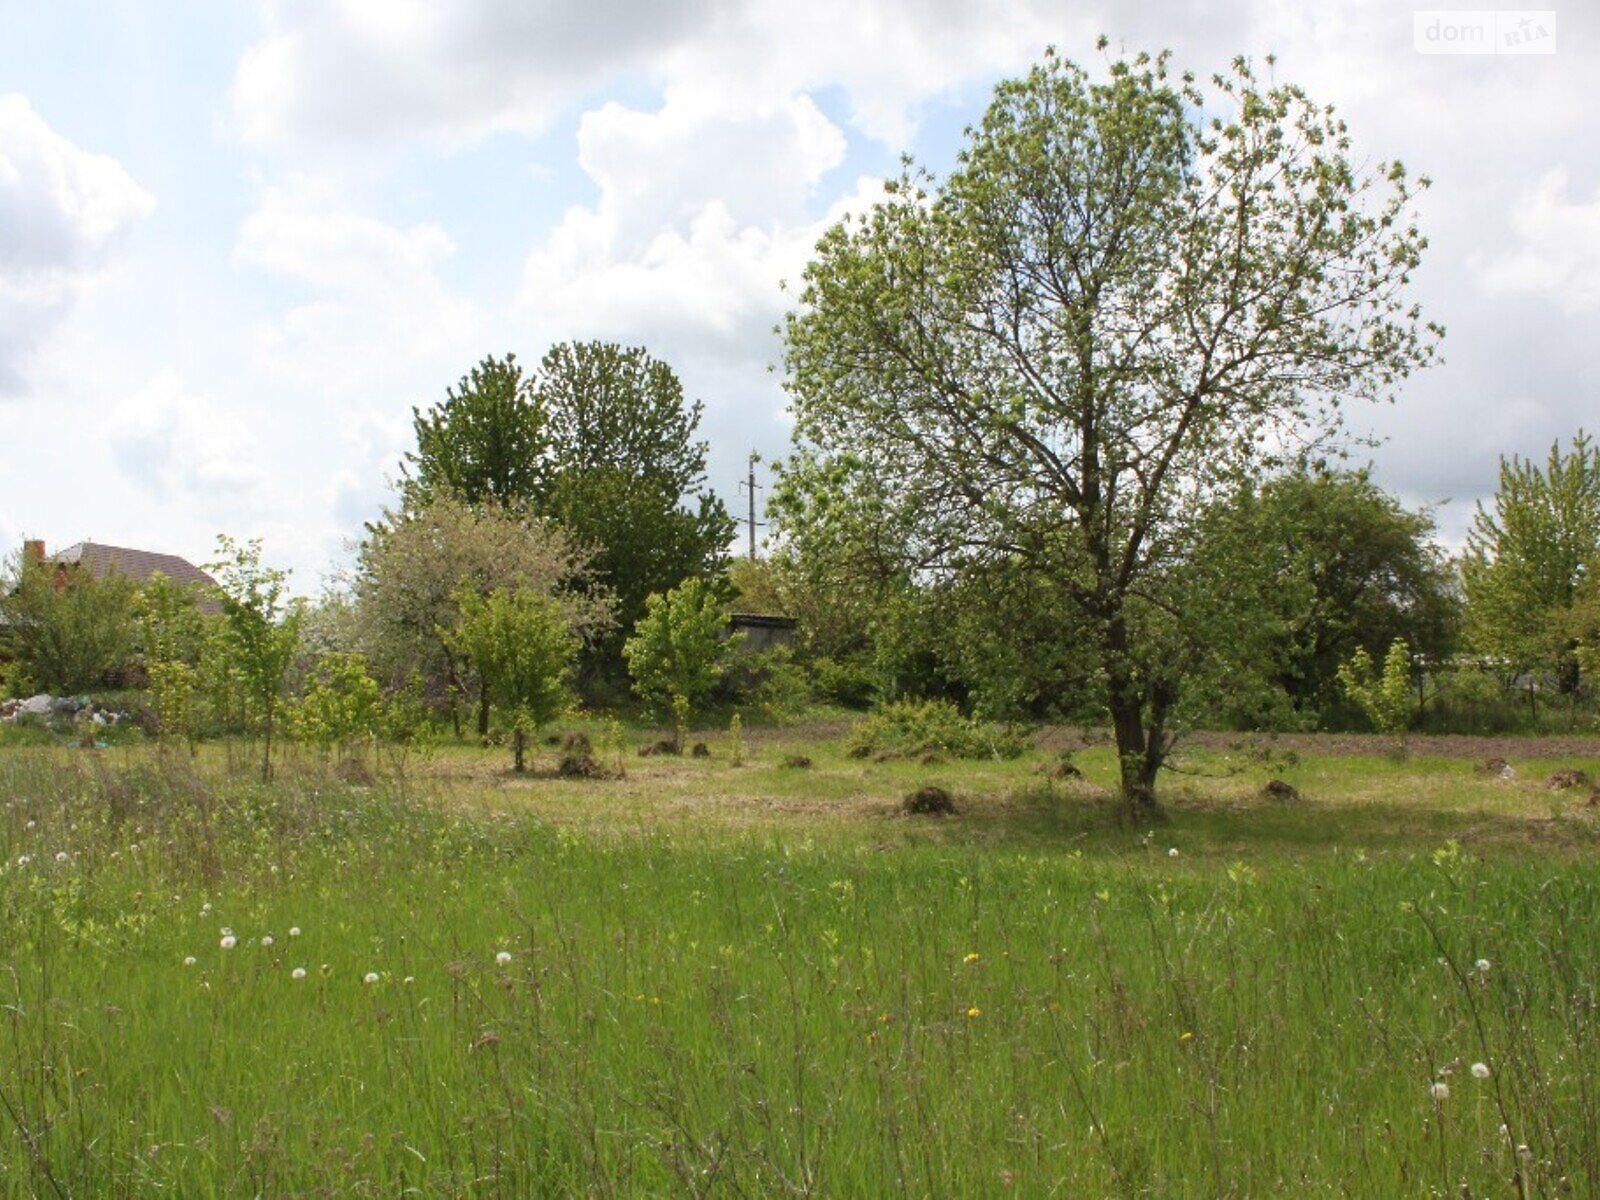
x=138 y=565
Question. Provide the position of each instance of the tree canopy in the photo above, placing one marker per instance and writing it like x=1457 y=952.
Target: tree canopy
x=415 y=562
x=600 y=439
x=1127 y=297
x=1340 y=565
x=485 y=441
x=626 y=473
x=1529 y=557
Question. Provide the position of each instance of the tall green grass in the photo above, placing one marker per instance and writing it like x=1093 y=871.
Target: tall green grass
x=755 y=1015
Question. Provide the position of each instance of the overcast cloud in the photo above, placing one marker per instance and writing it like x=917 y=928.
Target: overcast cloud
x=236 y=247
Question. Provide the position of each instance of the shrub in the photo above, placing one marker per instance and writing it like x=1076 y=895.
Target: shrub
x=911 y=728
x=849 y=682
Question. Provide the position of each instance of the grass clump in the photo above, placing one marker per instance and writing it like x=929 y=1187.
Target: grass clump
x=912 y=728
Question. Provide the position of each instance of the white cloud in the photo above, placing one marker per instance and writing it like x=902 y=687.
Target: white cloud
x=356 y=70
x=64 y=214
x=378 y=303
x=1557 y=255
x=350 y=70
x=186 y=449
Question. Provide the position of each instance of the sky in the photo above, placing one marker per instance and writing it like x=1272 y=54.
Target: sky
x=240 y=241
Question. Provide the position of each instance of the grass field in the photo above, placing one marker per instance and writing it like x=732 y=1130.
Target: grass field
x=756 y=980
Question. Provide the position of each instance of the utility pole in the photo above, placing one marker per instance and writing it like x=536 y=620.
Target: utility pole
x=749 y=485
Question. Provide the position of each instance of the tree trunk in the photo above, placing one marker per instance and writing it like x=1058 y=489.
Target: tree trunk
x=453 y=681
x=266 y=752
x=518 y=742
x=1139 y=760
x=483 y=711
x=1140 y=748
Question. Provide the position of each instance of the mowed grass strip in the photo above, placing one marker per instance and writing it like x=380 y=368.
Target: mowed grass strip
x=802 y=991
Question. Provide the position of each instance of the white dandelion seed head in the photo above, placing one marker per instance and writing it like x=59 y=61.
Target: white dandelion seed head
x=1173 y=852
x=62 y=856
x=1523 y=1151
x=503 y=957
x=370 y=977
x=298 y=973
x=1440 y=1091
x=229 y=941
x=1481 y=966
x=23 y=860
x=409 y=979
x=32 y=824
x=1480 y=1070
x=294 y=931
x=189 y=961
x=267 y=940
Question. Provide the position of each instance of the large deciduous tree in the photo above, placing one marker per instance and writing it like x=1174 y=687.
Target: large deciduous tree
x=626 y=473
x=1127 y=297
x=601 y=439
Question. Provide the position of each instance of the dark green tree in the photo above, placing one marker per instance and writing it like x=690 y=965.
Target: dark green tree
x=1340 y=565
x=626 y=474
x=485 y=441
x=1127 y=298
x=62 y=629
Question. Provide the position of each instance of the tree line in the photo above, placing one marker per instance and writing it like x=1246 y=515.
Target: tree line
x=1068 y=445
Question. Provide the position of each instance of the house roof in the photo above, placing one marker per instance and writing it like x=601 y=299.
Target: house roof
x=762 y=621
x=138 y=565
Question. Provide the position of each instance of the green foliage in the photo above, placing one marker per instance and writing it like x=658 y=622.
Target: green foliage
x=174 y=635
x=1126 y=294
x=678 y=646
x=840 y=557
x=174 y=688
x=915 y=727
x=769 y=681
x=258 y=636
x=599 y=440
x=64 y=630
x=486 y=441
x=1528 y=558
x=172 y=626
x=850 y=683
x=625 y=473
x=522 y=645
x=1330 y=562
x=413 y=566
x=1388 y=699
x=342 y=707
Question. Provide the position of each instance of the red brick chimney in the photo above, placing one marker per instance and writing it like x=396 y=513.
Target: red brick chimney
x=33 y=551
